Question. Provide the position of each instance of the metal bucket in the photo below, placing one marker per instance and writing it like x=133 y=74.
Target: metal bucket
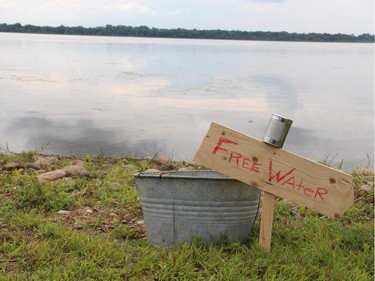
x=179 y=206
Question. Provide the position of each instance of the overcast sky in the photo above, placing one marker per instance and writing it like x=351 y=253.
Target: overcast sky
x=302 y=16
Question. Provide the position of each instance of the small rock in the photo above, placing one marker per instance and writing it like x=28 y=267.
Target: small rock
x=52 y=176
x=166 y=167
x=186 y=169
x=32 y=166
x=178 y=166
x=12 y=166
x=78 y=226
x=76 y=171
x=89 y=211
x=45 y=162
x=151 y=171
x=163 y=159
x=148 y=158
x=141 y=222
x=113 y=215
x=78 y=163
x=63 y=212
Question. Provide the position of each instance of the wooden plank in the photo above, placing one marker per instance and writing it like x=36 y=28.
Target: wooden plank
x=266 y=221
x=276 y=171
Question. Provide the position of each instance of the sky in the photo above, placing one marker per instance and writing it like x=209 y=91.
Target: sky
x=301 y=16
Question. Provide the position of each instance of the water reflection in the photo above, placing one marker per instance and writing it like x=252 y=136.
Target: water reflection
x=277 y=90
x=80 y=137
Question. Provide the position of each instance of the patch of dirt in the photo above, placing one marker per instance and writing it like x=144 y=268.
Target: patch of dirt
x=10 y=266
x=100 y=220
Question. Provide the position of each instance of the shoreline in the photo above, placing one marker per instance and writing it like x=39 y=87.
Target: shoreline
x=183 y=33
x=32 y=154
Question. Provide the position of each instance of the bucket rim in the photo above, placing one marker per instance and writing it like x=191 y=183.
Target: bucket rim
x=188 y=175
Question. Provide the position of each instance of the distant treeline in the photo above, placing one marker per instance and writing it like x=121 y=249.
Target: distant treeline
x=144 y=31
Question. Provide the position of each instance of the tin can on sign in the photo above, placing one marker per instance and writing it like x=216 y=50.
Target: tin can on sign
x=277 y=130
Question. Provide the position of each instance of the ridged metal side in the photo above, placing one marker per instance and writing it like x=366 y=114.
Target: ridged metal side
x=179 y=206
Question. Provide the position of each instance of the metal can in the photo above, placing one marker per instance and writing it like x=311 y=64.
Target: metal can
x=277 y=130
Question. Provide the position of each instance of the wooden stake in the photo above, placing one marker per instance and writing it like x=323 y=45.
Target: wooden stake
x=266 y=220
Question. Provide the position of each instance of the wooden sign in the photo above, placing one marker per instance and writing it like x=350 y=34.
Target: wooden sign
x=276 y=171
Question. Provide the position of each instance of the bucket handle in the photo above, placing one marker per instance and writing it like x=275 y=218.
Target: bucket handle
x=141 y=175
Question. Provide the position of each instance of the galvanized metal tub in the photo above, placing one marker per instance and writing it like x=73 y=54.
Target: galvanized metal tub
x=179 y=206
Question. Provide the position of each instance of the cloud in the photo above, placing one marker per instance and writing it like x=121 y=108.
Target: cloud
x=337 y=16
x=130 y=7
x=72 y=13
x=99 y=6
x=179 y=12
x=267 y=1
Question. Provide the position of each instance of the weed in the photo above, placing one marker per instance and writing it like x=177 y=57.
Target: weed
x=5 y=149
x=328 y=162
x=123 y=232
x=23 y=156
x=34 y=194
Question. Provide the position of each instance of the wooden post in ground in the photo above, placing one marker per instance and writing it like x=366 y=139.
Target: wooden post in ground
x=275 y=135
x=266 y=221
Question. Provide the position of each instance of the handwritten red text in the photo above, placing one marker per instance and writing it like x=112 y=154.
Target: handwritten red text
x=276 y=177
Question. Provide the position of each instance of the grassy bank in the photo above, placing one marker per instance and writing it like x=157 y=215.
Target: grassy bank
x=91 y=228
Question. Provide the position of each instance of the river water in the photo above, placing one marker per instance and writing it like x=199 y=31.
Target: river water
x=143 y=96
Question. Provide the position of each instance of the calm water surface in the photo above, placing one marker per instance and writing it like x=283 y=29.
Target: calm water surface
x=140 y=96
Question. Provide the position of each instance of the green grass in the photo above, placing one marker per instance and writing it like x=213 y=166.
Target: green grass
x=38 y=244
